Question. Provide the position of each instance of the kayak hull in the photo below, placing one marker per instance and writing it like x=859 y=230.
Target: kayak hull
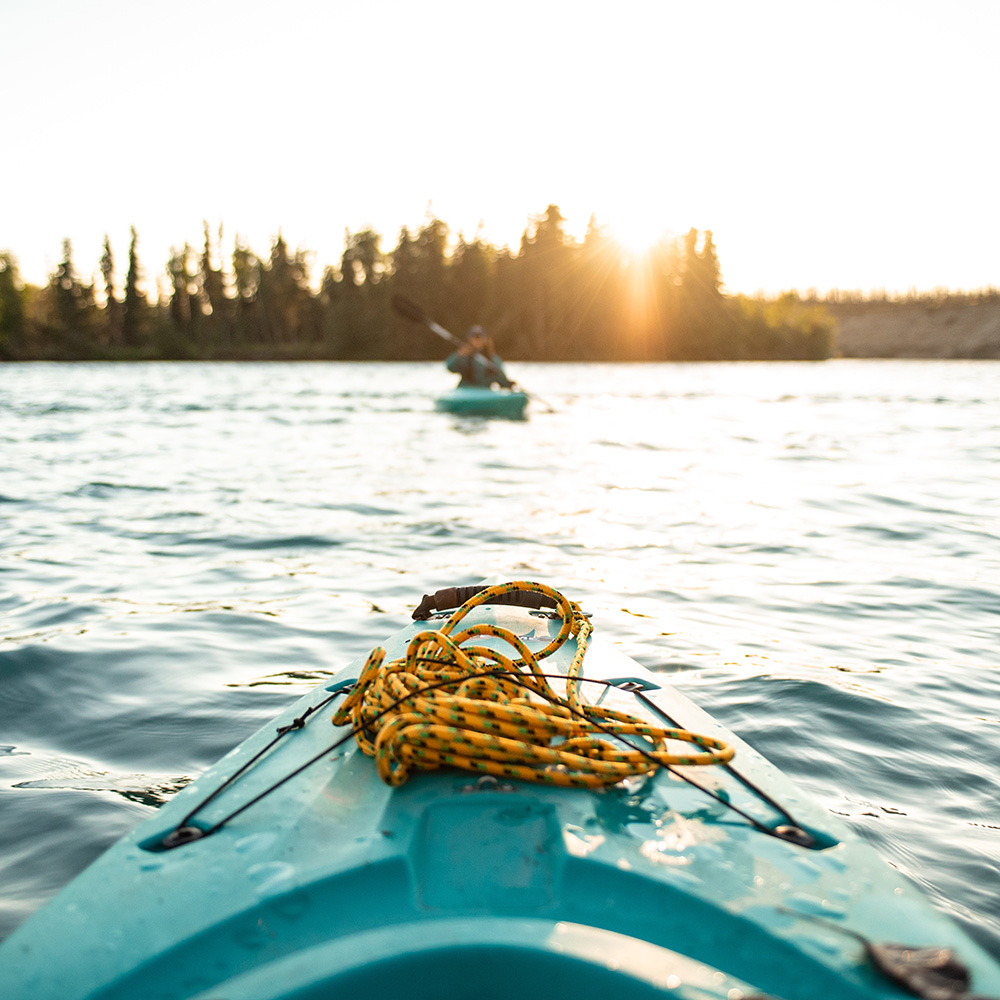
x=481 y=402
x=455 y=885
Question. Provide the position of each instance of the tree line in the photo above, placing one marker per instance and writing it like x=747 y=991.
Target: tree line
x=553 y=298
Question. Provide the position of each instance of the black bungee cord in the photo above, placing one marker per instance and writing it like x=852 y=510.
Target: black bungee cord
x=186 y=831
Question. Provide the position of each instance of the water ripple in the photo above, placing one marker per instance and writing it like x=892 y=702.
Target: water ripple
x=810 y=552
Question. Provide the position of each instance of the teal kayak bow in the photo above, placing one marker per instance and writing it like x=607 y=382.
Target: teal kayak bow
x=493 y=803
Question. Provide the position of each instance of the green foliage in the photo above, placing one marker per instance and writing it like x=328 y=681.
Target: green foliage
x=13 y=324
x=552 y=298
x=64 y=321
x=113 y=333
x=184 y=307
x=134 y=309
x=784 y=328
x=72 y=299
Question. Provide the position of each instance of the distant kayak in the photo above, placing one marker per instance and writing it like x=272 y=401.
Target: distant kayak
x=483 y=402
x=542 y=818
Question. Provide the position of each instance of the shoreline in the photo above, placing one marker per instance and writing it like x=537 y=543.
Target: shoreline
x=942 y=329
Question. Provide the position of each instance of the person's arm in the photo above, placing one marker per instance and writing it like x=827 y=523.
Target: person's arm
x=457 y=363
x=500 y=375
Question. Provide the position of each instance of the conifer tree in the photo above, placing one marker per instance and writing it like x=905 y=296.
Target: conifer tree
x=667 y=270
x=362 y=310
x=471 y=274
x=432 y=261
x=363 y=262
x=184 y=306
x=284 y=294
x=246 y=277
x=135 y=305
x=546 y=264
x=13 y=327
x=402 y=263
x=597 y=294
x=217 y=304
x=403 y=266
x=112 y=306
x=275 y=292
x=73 y=301
x=710 y=273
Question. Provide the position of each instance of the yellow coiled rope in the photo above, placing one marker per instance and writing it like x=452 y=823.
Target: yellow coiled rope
x=450 y=702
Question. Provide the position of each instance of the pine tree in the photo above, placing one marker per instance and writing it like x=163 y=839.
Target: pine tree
x=217 y=304
x=546 y=262
x=183 y=296
x=284 y=295
x=13 y=326
x=73 y=312
x=362 y=310
x=403 y=267
x=709 y=271
x=705 y=319
x=471 y=274
x=432 y=263
x=247 y=278
x=666 y=262
x=135 y=306
x=597 y=296
x=112 y=306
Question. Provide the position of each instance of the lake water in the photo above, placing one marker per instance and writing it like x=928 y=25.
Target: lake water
x=812 y=551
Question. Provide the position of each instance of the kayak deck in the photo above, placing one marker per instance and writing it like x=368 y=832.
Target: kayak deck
x=684 y=883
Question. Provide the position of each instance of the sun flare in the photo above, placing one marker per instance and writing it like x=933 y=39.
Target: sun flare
x=637 y=234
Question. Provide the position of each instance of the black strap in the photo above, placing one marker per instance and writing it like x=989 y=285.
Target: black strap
x=453 y=597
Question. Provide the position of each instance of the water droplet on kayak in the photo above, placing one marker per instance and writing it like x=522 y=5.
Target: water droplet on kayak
x=255 y=842
x=268 y=876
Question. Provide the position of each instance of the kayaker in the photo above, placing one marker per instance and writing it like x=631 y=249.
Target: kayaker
x=477 y=362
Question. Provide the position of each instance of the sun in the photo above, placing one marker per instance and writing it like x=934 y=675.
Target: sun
x=637 y=234
x=635 y=237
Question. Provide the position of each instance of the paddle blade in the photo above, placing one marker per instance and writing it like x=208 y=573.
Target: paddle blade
x=405 y=307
